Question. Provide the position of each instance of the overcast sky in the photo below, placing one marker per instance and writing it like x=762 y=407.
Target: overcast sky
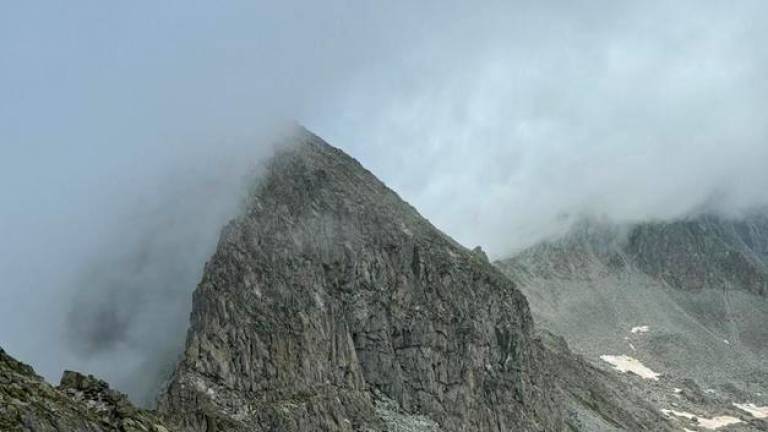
x=126 y=130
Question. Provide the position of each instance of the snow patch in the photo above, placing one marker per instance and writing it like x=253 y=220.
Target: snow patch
x=756 y=411
x=707 y=423
x=625 y=363
x=640 y=329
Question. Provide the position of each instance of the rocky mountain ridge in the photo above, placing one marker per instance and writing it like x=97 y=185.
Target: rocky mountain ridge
x=331 y=290
x=691 y=254
x=679 y=305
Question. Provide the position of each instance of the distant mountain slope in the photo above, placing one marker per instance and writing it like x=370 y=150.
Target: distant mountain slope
x=707 y=252
x=687 y=299
x=80 y=404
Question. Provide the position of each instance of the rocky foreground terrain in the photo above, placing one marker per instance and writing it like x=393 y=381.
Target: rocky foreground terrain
x=331 y=305
x=79 y=403
x=681 y=307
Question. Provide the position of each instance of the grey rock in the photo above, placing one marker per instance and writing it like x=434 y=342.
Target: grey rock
x=596 y=400
x=698 y=284
x=330 y=290
x=396 y=420
x=81 y=404
x=705 y=251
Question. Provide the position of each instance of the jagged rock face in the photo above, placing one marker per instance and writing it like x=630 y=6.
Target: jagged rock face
x=80 y=404
x=330 y=290
x=691 y=254
x=708 y=251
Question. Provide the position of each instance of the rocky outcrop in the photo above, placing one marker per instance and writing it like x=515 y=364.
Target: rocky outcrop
x=703 y=252
x=80 y=404
x=332 y=305
x=595 y=399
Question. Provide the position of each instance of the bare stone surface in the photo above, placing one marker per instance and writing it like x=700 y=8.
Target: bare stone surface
x=81 y=404
x=685 y=298
x=330 y=288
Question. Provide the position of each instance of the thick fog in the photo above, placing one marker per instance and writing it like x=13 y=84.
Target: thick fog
x=128 y=132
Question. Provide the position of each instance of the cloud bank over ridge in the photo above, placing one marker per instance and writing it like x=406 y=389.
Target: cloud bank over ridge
x=128 y=132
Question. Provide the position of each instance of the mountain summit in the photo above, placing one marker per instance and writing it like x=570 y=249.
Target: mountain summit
x=331 y=304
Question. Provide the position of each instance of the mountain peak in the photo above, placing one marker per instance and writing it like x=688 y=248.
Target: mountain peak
x=330 y=295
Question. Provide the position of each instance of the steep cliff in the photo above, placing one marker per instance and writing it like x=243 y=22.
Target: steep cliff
x=331 y=304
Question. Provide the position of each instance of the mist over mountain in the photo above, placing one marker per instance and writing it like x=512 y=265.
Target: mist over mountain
x=130 y=133
x=330 y=303
x=679 y=306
